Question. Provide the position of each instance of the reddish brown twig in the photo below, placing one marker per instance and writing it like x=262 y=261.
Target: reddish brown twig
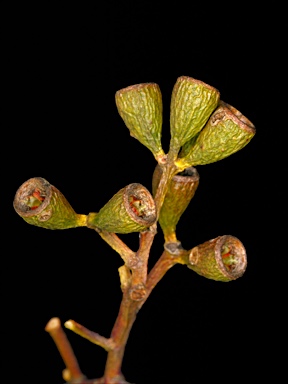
x=57 y=333
x=94 y=337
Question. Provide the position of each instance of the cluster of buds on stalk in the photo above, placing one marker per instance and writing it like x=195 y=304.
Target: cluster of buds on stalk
x=204 y=129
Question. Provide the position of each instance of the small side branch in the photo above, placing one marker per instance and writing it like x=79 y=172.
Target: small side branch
x=95 y=338
x=118 y=245
x=125 y=277
x=57 y=333
x=166 y=261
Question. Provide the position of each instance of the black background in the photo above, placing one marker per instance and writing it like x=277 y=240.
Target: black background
x=61 y=123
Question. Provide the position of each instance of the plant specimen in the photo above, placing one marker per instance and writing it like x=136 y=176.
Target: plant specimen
x=204 y=129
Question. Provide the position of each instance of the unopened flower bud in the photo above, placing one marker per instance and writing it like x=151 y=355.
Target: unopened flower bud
x=140 y=106
x=181 y=190
x=40 y=203
x=222 y=259
x=226 y=132
x=192 y=103
x=132 y=209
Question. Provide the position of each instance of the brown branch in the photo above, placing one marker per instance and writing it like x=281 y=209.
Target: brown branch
x=139 y=268
x=120 y=333
x=57 y=333
x=118 y=245
x=166 y=261
x=94 y=337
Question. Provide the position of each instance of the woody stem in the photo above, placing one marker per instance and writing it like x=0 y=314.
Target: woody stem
x=119 y=335
x=57 y=333
x=132 y=299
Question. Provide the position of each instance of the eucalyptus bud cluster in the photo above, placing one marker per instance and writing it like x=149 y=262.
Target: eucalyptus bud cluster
x=203 y=129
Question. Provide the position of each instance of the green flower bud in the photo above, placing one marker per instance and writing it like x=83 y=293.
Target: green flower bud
x=140 y=106
x=40 y=203
x=132 y=209
x=192 y=103
x=181 y=190
x=222 y=259
x=226 y=132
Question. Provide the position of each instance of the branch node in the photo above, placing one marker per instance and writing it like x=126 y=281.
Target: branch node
x=174 y=248
x=137 y=292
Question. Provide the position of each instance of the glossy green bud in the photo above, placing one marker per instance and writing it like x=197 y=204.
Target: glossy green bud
x=132 y=209
x=226 y=132
x=192 y=103
x=180 y=192
x=140 y=106
x=40 y=203
x=221 y=259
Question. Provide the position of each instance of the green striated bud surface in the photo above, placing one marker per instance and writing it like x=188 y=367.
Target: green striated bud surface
x=221 y=259
x=181 y=190
x=192 y=103
x=40 y=203
x=188 y=145
x=140 y=106
x=132 y=209
x=226 y=132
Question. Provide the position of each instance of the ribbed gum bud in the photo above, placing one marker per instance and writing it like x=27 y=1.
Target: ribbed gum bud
x=40 y=203
x=181 y=190
x=226 y=132
x=132 y=209
x=192 y=103
x=221 y=259
x=140 y=107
